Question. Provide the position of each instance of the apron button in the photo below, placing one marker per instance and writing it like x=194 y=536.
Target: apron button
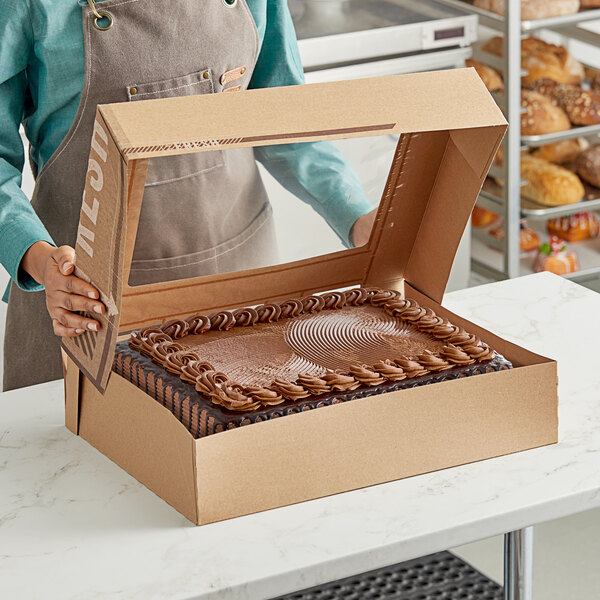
x=133 y=91
x=206 y=75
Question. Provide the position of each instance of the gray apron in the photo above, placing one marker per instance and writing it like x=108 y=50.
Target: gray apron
x=201 y=213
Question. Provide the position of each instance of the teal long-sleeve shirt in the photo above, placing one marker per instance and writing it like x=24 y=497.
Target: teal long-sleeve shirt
x=41 y=81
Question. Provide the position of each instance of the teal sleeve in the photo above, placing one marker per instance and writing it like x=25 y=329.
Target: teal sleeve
x=316 y=172
x=20 y=227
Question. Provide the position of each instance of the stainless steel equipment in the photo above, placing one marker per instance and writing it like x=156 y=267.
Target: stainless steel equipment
x=346 y=32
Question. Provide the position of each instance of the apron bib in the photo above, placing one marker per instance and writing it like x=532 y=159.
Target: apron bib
x=202 y=213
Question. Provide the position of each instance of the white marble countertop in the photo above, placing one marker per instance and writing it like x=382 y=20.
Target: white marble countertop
x=75 y=526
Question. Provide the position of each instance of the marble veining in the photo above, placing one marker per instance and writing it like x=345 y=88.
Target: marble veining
x=74 y=526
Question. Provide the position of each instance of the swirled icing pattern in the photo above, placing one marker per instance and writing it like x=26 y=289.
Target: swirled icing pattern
x=334 y=342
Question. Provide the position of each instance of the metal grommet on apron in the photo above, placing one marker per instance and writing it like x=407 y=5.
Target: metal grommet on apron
x=102 y=20
x=201 y=213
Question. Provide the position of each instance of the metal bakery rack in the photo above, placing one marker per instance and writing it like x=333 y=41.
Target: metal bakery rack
x=506 y=200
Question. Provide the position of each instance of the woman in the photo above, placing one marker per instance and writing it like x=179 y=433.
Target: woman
x=202 y=213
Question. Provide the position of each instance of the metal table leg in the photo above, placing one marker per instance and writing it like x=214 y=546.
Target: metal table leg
x=518 y=565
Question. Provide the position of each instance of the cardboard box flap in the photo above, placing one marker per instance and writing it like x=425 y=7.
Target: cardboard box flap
x=451 y=129
x=435 y=101
x=434 y=194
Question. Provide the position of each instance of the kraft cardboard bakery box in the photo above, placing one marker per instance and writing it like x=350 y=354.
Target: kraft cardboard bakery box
x=450 y=130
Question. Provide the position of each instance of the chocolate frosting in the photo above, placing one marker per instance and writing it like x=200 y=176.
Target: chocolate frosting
x=317 y=345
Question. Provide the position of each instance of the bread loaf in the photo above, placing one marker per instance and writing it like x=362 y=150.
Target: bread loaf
x=541 y=116
x=549 y=184
x=542 y=60
x=587 y=165
x=533 y=9
x=582 y=106
x=490 y=77
x=562 y=153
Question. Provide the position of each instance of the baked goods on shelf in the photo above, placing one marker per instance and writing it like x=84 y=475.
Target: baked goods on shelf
x=528 y=238
x=582 y=106
x=232 y=368
x=490 y=77
x=574 y=228
x=533 y=9
x=563 y=152
x=549 y=184
x=587 y=165
x=481 y=217
x=542 y=60
x=590 y=3
x=541 y=116
x=556 y=257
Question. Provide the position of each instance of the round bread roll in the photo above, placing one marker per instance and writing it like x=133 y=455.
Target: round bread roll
x=582 y=106
x=587 y=165
x=490 y=77
x=549 y=184
x=541 y=116
x=562 y=153
x=542 y=60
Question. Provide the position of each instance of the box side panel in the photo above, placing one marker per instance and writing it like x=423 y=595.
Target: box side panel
x=516 y=354
x=142 y=437
x=149 y=304
x=405 y=201
x=375 y=440
x=459 y=178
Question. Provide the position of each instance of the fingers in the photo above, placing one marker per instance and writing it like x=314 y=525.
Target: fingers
x=74 y=321
x=62 y=331
x=74 y=302
x=74 y=285
x=66 y=295
x=65 y=259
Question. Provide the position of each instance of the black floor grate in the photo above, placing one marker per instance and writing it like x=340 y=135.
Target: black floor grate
x=440 y=576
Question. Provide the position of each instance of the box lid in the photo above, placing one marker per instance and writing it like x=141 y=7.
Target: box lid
x=451 y=128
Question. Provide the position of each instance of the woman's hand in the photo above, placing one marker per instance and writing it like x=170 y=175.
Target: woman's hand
x=65 y=293
x=361 y=230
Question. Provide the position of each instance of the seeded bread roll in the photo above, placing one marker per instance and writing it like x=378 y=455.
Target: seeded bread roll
x=541 y=116
x=549 y=184
x=582 y=106
x=542 y=60
x=490 y=77
x=533 y=9
x=587 y=165
x=562 y=153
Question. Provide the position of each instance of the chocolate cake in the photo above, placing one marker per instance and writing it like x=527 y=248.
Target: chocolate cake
x=233 y=368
